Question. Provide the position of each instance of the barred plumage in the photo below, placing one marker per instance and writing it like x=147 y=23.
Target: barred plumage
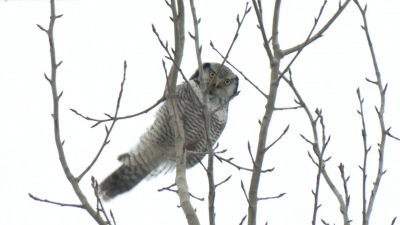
x=155 y=151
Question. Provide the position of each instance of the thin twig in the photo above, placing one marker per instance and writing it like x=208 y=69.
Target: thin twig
x=316 y=147
x=266 y=120
x=240 y=167
x=175 y=64
x=239 y=22
x=307 y=39
x=325 y=223
x=241 y=73
x=206 y=116
x=224 y=181
x=56 y=119
x=166 y=188
x=320 y=32
x=175 y=114
x=202 y=165
x=180 y=158
x=346 y=192
x=225 y=103
x=251 y=155
x=321 y=165
x=273 y=143
x=244 y=191
x=366 y=151
x=286 y=108
x=312 y=159
x=241 y=222
x=100 y=207
x=394 y=220
x=382 y=91
x=258 y=10
x=112 y=216
x=56 y=203
x=99 y=121
x=176 y=191
x=390 y=135
x=267 y=198
x=108 y=131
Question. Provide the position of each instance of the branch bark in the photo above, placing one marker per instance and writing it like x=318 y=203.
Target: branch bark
x=207 y=118
x=316 y=147
x=319 y=33
x=56 y=119
x=270 y=107
x=178 y=12
x=380 y=112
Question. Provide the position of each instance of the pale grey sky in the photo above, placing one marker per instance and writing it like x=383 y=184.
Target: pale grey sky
x=93 y=38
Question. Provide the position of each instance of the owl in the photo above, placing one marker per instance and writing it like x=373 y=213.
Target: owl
x=155 y=152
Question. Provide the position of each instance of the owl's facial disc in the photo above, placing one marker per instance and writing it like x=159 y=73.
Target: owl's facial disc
x=220 y=88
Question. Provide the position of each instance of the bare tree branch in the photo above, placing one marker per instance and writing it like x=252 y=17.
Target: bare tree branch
x=108 y=131
x=394 y=220
x=319 y=33
x=179 y=34
x=244 y=218
x=272 y=144
x=100 y=207
x=99 y=121
x=382 y=91
x=267 y=198
x=366 y=151
x=346 y=192
x=175 y=64
x=390 y=135
x=244 y=191
x=239 y=22
x=176 y=191
x=112 y=216
x=307 y=39
x=325 y=223
x=56 y=203
x=224 y=181
x=207 y=118
x=274 y=36
x=225 y=103
x=269 y=109
x=240 y=167
x=206 y=113
x=258 y=10
x=56 y=119
x=286 y=108
x=321 y=165
x=241 y=73
x=251 y=155
x=316 y=147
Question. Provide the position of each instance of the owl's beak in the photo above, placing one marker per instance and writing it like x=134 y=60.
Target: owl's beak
x=216 y=83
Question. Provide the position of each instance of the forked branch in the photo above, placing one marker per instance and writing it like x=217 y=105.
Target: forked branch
x=316 y=147
x=178 y=12
x=320 y=32
x=56 y=203
x=108 y=130
x=56 y=119
x=380 y=112
x=111 y=118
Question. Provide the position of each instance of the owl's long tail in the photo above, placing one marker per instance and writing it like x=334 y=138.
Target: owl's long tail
x=137 y=165
x=121 y=180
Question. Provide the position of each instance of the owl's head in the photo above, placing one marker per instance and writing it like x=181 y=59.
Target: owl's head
x=226 y=83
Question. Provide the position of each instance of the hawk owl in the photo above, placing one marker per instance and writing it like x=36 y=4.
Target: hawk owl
x=155 y=151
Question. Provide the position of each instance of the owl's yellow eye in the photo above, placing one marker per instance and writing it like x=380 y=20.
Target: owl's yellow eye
x=212 y=74
x=227 y=82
